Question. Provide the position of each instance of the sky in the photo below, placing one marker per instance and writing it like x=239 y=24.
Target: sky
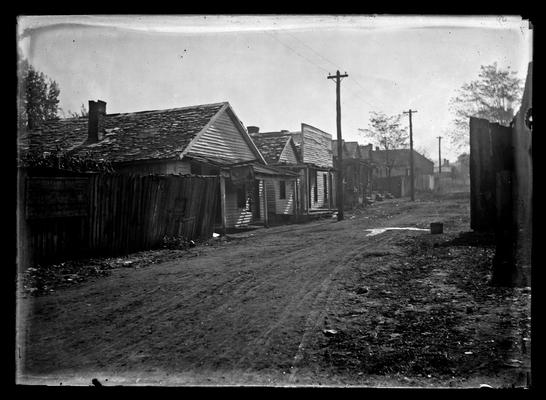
x=273 y=69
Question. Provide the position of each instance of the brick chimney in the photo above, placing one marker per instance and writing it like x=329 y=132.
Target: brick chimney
x=253 y=129
x=97 y=111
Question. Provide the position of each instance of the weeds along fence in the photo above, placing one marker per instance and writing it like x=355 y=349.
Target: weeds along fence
x=111 y=214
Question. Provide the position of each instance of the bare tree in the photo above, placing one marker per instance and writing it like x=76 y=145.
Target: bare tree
x=386 y=131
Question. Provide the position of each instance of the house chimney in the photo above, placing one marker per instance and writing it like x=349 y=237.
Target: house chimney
x=253 y=129
x=284 y=131
x=97 y=110
x=376 y=148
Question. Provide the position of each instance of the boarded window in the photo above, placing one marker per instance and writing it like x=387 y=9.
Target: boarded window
x=282 y=190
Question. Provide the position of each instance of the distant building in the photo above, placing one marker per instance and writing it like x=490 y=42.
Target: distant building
x=357 y=171
x=397 y=181
x=447 y=168
x=398 y=160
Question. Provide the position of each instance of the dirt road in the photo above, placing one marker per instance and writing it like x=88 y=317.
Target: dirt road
x=317 y=303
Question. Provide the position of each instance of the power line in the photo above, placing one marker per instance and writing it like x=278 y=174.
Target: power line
x=353 y=95
x=331 y=63
x=313 y=50
x=297 y=53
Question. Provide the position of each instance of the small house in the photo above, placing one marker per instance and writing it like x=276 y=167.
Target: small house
x=206 y=139
x=279 y=150
x=309 y=153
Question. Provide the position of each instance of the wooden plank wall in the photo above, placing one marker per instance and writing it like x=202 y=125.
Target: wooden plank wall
x=317 y=146
x=223 y=137
x=491 y=151
x=321 y=202
x=275 y=204
x=523 y=175
x=126 y=214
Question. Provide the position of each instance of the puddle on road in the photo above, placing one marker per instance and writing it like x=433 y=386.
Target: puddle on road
x=377 y=231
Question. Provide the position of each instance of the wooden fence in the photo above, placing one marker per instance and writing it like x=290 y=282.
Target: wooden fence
x=501 y=188
x=110 y=214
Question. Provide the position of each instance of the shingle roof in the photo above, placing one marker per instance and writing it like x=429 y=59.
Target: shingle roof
x=144 y=135
x=271 y=145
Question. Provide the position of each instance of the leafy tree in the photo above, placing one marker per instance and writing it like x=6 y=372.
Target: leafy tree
x=38 y=97
x=22 y=71
x=493 y=96
x=386 y=130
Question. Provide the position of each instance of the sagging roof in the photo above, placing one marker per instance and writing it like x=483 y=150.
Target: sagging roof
x=143 y=135
x=272 y=145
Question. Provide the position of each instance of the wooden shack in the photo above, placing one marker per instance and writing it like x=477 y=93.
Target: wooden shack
x=309 y=154
x=206 y=139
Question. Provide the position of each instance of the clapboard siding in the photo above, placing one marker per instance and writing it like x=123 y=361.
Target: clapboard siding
x=261 y=197
x=223 y=139
x=317 y=147
x=321 y=201
x=275 y=203
x=236 y=217
x=288 y=155
x=272 y=195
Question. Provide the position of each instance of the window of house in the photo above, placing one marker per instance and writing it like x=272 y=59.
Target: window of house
x=282 y=190
x=241 y=196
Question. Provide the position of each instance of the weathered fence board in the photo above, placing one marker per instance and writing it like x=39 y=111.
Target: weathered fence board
x=121 y=213
x=491 y=151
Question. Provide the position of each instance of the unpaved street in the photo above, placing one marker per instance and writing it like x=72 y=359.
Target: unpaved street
x=316 y=303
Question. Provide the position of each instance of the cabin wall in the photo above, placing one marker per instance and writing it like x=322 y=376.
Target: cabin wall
x=276 y=205
x=317 y=147
x=288 y=156
x=223 y=139
x=323 y=190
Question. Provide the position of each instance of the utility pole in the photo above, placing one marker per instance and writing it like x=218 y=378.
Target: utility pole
x=339 y=180
x=439 y=155
x=412 y=185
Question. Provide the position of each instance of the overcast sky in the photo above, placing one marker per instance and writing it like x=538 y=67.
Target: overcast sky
x=273 y=69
